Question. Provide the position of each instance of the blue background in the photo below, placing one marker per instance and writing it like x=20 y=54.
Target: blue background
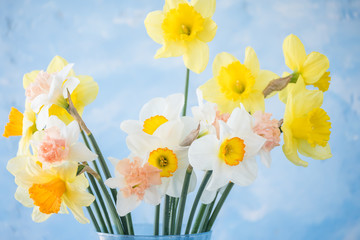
x=108 y=40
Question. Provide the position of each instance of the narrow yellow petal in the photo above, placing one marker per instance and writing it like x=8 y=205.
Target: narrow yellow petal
x=205 y=7
x=263 y=79
x=57 y=64
x=15 y=125
x=294 y=52
x=209 y=31
x=254 y=102
x=197 y=56
x=222 y=60
x=29 y=78
x=153 y=23
x=61 y=113
x=170 y=4
x=251 y=61
x=290 y=148
x=314 y=67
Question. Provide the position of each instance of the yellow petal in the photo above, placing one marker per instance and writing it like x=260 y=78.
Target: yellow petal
x=85 y=92
x=170 y=4
x=254 y=102
x=317 y=152
x=29 y=78
x=211 y=91
x=324 y=82
x=251 y=61
x=222 y=60
x=153 y=23
x=314 y=67
x=290 y=148
x=197 y=56
x=284 y=93
x=57 y=64
x=209 y=31
x=294 y=52
x=263 y=79
x=61 y=113
x=205 y=7
x=170 y=49
x=15 y=125
x=305 y=100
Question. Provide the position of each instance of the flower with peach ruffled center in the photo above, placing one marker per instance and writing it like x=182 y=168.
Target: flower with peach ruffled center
x=41 y=85
x=268 y=129
x=53 y=148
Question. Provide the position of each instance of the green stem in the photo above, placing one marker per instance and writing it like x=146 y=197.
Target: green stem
x=196 y=200
x=219 y=205
x=98 y=213
x=174 y=207
x=101 y=201
x=129 y=224
x=207 y=214
x=186 y=91
x=183 y=196
x=198 y=219
x=157 y=220
x=166 y=215
x=93 y=219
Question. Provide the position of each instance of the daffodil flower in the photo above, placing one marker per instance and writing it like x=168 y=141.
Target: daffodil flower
x=47 y=91
x=51 y=191
x=306 y=126
x=232 y=157
x=136 y=181
x=311 y=67
x=58 y=143
x=155 y=113
x=162 y=150
x=234 y=83
x=184 y=29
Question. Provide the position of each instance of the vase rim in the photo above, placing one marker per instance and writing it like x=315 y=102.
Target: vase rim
x=158 y=236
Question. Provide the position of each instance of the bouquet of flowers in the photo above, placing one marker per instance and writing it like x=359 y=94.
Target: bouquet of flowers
x=170 y=150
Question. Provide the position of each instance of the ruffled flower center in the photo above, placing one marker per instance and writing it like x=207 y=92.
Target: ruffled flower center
x=53 y=148
x=182 y=23
x=41 y=85
x=165 y=160
x=152 y=123
x=324 y=82
x=235 y=81
x=232 y=151
x=268 y=129
x=48 y=196
x=314 y=127
x=138 y=178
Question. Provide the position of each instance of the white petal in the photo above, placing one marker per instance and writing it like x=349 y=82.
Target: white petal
x=170 y=133
x=155 y=106
x=42 y=117
x=203 y=152
x=22 y=195
x=208 y=196
x=245 y=173
x=72 y=132
x=265 y=158
x=253 y=144
x=220 y=176
x=78 y=152
x=38 y=102
x=54 y=121
x=70 y=85
x=152 y=196
x=175 y=103
x=38 y=216
x=126 y=205
x=240 y=121
x=131 y=126
x=140 y=145
x=117 y=182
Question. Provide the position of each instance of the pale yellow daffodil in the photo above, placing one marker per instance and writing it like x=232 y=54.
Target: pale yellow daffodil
x=184 y=29
x=311 y=67
x=306 y=126
x=234 y=83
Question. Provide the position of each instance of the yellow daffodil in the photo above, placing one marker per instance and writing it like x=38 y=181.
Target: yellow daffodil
x=234 y=83
x=51 y=190
x=311 y=67
x=306 y=126
x=47 y=91
x=183 y=29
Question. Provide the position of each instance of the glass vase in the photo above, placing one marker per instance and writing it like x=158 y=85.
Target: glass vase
x=145 y=232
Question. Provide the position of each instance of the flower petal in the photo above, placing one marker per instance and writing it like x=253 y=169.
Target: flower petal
x=203 y=152
x=85 y=92
x=245 y=173
x=152 y=196
x=294 y=52
x=22 y=195
x=290 y=148
x=78 y=152
x=220 y=176
x=196 y=56
x=263 y=79
x=126 y=205
x=155 y=106
x=314 y=67
x=222 y=60
x=171 y=49
x=38 y=216
x=251 y=61
x=205 y=7
x=57 y=64
x=317 y=152
x=175 y=103
x=29 y=78
x=131 y=126
x=170 y=4
x=153 y=22
x=209 y=31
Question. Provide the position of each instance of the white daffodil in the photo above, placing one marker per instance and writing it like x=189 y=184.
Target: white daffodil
x=58 y=143
x=162 y=149
x=136 y=182
x=51 y=190
x=48 y=89
x=232 y=156
x=155 y=113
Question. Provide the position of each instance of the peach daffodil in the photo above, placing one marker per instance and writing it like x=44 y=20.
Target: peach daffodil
x=136 y=182
x=184 y=28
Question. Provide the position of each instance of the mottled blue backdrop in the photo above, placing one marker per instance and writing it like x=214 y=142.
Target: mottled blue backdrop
x=108 y=40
